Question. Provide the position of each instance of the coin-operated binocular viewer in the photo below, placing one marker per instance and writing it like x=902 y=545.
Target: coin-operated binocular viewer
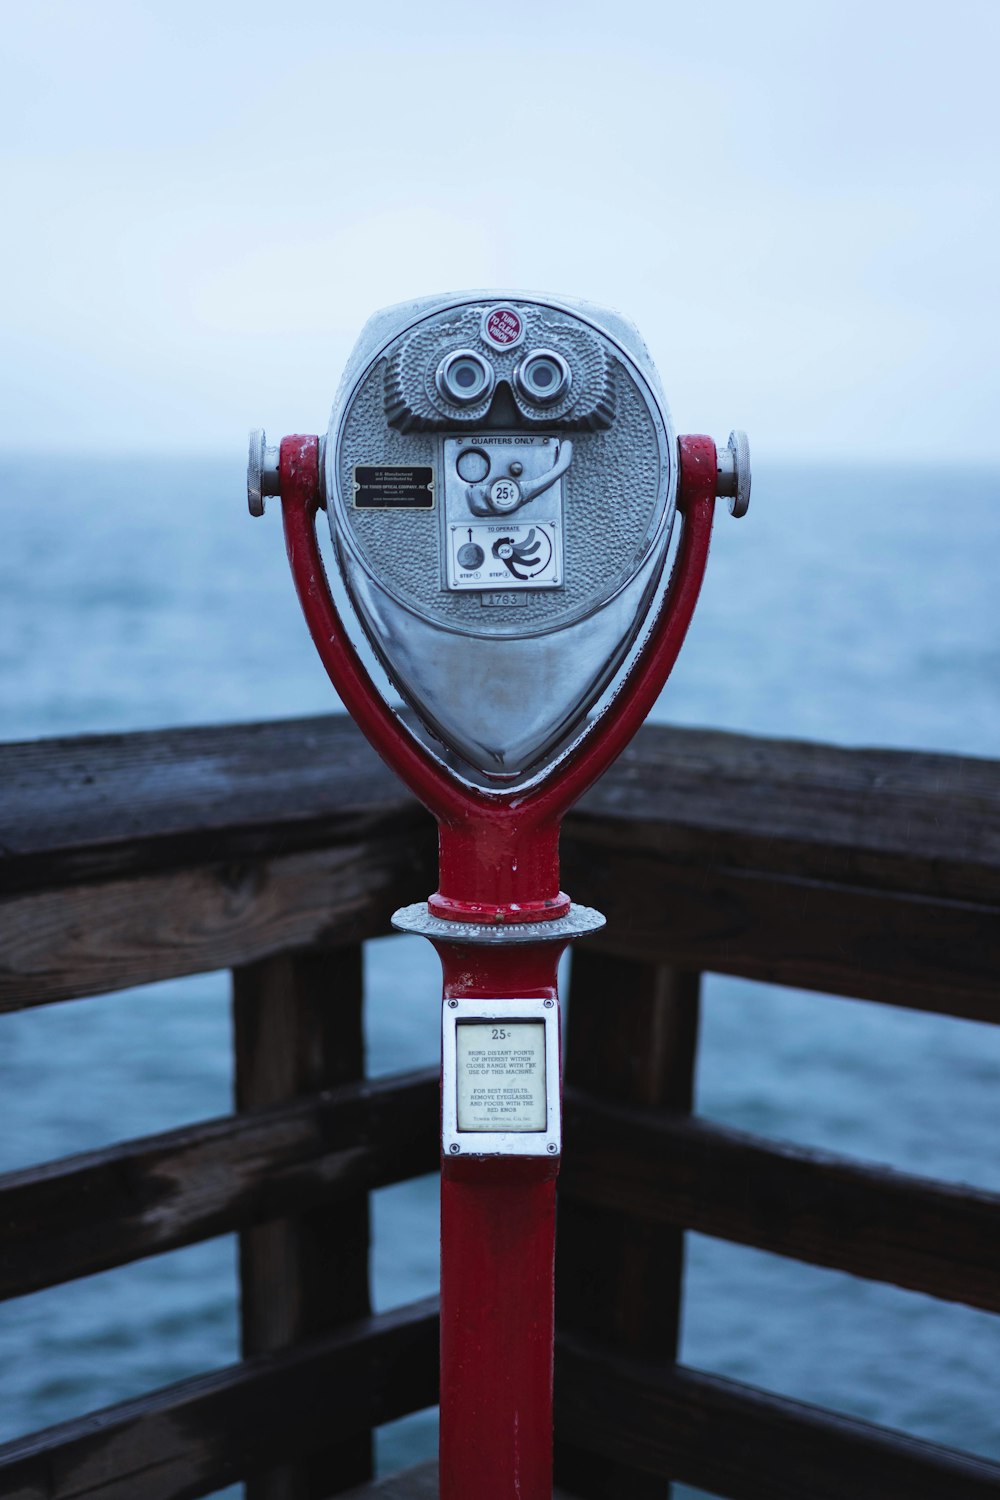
x=503 y=487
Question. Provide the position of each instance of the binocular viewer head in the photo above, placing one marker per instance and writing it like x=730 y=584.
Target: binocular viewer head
x=500 y=476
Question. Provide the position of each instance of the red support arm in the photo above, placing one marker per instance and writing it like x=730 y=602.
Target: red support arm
x=498 y=852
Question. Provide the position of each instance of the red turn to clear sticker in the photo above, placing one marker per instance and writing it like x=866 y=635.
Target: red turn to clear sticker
x=502 y=326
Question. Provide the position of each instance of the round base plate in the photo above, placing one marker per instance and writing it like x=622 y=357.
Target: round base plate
x=579 y=921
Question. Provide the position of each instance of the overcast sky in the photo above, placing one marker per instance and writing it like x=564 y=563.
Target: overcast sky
x=796 y=203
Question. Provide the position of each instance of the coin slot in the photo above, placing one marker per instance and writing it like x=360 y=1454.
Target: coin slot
x=473 y=465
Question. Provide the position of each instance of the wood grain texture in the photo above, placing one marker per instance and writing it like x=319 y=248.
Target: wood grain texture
x=631 y=1039
x=747 y=1444
x=121 y=1203
x=299 y=1028
x=102 y=805
x=916 y=951
x=204 y=1433
x=882 y=819
x=875 y=1222
x=69 y=943
x=137 y=1198
x=894 y=948
x=855 y=872
x=98 y=806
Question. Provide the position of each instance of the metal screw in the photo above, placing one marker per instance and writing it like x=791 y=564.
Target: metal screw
x=454 y=1148
x=733 y=477
x=453 y=1004
x=548 y=1004
x=262 y=472
x=551 y=1148
x=515 y=468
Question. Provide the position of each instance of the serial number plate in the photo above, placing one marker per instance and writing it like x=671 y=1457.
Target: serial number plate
x=393 y=487
x=502 y=600
x=501 y=1075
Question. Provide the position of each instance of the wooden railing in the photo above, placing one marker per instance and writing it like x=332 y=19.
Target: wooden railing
x=276 y=850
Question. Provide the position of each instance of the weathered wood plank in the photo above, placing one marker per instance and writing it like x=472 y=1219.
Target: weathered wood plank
x=747 y=1444
x=894 y=948
x=68 y=943
x=884 y=819
x=867 y=873
x=207 y=1432
x=619 y=1276
x=299 y=1028
x=918 y=951
x=101 y=806
x=814 y=1206
x=105 y=1208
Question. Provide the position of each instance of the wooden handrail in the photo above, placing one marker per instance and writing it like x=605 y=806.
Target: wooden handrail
x=276 y=849
x=206 y=1432
x=747 y=1444
x=138 y=1198
x=676 y=1422
x=815 y=1206
x=874 y=874
x=102 y=806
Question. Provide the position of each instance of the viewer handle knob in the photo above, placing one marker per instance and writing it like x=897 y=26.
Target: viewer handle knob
x=262 y=472
x=733 y=478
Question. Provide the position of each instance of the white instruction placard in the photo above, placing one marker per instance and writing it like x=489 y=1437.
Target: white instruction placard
x=501 y=1075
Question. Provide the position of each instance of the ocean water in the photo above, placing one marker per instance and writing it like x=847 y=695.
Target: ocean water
x=857 y=606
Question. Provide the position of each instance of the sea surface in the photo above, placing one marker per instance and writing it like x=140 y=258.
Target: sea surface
x=856 y=606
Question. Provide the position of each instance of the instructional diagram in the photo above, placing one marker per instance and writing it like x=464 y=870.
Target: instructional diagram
x=504 y=554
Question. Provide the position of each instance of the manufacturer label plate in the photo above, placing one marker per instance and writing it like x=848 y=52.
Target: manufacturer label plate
x=393 y=487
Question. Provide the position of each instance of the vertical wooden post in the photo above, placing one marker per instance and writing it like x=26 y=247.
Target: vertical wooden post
x=299 y=1029
x=632 y=1037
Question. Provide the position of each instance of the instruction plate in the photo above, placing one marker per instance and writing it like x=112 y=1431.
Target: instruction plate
x=501 y=1075
x=504 y=555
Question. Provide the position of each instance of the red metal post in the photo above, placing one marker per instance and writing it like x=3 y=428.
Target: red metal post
x=498 y=1217
x=499 y=867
